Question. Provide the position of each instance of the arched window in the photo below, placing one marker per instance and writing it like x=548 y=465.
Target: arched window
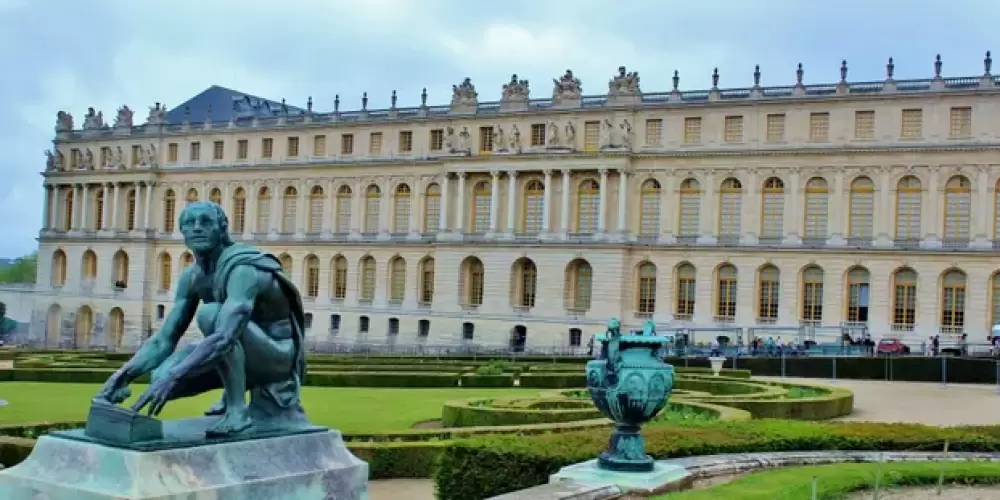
x=99 y=210
x=316 y=209
x=908 y=194
x=525 y=283
x=858 y=296
x=116 y=327
x=432 y=209
x=725 y=293
x=169 y=211
x=401 y=209
x=579 y=285
x=166 y=272
x=953 y=302
x=646 y=288
x=768 y=294
x=817 y=209
x=397 y=280
x=186 y=260
x=904 y=300
x=812 y=295
x=53 y=326
x=84 y=326
x=957 y=211
x=263 y=210
x=239 y=211
x=286 y=263
x=482 y=196
x=289 y=209
x=861 y=212
x=730 y=209
x=88 y=268
x=312 y=276
x=689 y=212
x=215 y=196
x=649 y=199
x=534 y=207
x=367 y=278
x=588 y=206
x=344 y=195
x=339 y=277
x=58 y=268
x=427 y=281
x=772 y=209
x=192 y=195
x=685 y=278
x=68 y=210
x=130 y=207
x=373 y=208
x=472 y=284
x=121 y=269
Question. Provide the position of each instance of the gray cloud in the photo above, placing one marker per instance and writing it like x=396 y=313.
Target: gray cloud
x=105 y=53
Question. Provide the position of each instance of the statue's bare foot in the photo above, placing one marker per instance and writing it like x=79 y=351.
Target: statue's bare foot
x=233 y=422
x=217 y=409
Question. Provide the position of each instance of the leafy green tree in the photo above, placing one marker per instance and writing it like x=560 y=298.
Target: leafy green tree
x=21 y=271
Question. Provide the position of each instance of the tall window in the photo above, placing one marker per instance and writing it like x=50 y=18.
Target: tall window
x=733 y=131
x=339 y=277
x=812 y=295
x=861 y=210
x=912 y=123
x=904 y=300
x=166 y=271
x=68 y=210
x=684 y=309
x=525 y=285
x=579 y=285
x=290 y=208
x=367 y=278
x=316 y=196
x=401 y=210
x=286 y=263
x=239 y=211
x=481 y=200
x=192 y=196
x=373 y=208
x=432 y=209
x=654 y=129
x=591 y=136
x=89 y=267
x=397 y=280
x=169 y=211
x=263 y=210
x=121 y=268
x=692 y=130
x=725 y=294
x=957 y=210
x=772 y=209
x=130 y=207
x=730 y=208
x=58 y=268
x=215 y=196
x=864 y=124
x=472 y=284
x=99 y=208
x=427 y=281
x=344 y=195
x=953 y=302
x=649 y=199
x=319 y=146
x=961 y=123
x=819 y=126
x=775 y=127
x=690 y=208
x=858 y=294
x=293 y=147
x=908 y=194
x=646 y=288
x=817 y=209
x=312 y=276
x=588 y=206
x=768 y=294
x=534 y=206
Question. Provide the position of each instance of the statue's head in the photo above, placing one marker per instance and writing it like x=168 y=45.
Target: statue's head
x=613 y=324
x=205 y=227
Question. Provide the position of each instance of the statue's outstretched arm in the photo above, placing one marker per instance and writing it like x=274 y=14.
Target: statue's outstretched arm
x=159 y=346
x=244 y=284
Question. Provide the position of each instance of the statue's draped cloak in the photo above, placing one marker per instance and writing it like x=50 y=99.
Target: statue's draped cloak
x=245 y=255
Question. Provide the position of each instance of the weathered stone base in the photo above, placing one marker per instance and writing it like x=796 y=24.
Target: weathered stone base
x=665 y=476
x=311 y=466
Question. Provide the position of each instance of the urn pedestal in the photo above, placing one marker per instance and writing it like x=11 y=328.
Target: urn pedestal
x=717 y=362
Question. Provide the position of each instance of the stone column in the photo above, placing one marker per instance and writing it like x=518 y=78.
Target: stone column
x=276 y=214
x=460 y=205
x=443 y=218
x=602 y=208
x=495 y=202
x=547 y=201
x=330 y=209
x=114 y=206
x=304 y=205
x=250 y=213
x=511 y=202
x=386 y=208
x=46 y=208
x=564 y=213
x=149 y=205
x=54 y=214
x=622 y=201
x=84 y=207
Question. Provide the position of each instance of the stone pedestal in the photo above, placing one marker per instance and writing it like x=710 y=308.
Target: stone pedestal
x=303 y=466
x=664 y=477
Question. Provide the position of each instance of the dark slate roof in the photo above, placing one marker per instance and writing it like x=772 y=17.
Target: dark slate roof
x=226 y=104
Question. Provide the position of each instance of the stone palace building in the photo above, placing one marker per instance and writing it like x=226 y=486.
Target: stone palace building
x=796 y=210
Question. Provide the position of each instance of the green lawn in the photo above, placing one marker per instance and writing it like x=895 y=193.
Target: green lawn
x=353 y=410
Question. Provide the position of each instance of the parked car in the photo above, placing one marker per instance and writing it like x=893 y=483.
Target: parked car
x=892 y=346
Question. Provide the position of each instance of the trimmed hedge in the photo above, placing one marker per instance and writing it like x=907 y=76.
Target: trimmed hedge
x=500 y=412
x=553 y=380
x=485 y=381
x=381 y=379
x=480 y=468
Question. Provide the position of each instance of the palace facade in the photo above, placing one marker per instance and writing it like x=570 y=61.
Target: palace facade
x=531 y=221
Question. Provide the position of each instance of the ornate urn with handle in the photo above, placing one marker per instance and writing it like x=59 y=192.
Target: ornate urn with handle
x=629 y=383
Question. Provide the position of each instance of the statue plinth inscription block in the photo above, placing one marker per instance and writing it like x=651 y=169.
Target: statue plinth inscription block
x=116 y=425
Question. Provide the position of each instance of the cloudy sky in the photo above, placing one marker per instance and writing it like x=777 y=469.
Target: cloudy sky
x=71 y=54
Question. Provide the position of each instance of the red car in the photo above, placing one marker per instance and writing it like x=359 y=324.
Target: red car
x=892 y=346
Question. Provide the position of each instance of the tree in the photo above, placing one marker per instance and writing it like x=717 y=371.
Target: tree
x=21 y=271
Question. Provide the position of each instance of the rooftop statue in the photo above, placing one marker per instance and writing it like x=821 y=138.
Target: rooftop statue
x=567 y=86
x=252 y=318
